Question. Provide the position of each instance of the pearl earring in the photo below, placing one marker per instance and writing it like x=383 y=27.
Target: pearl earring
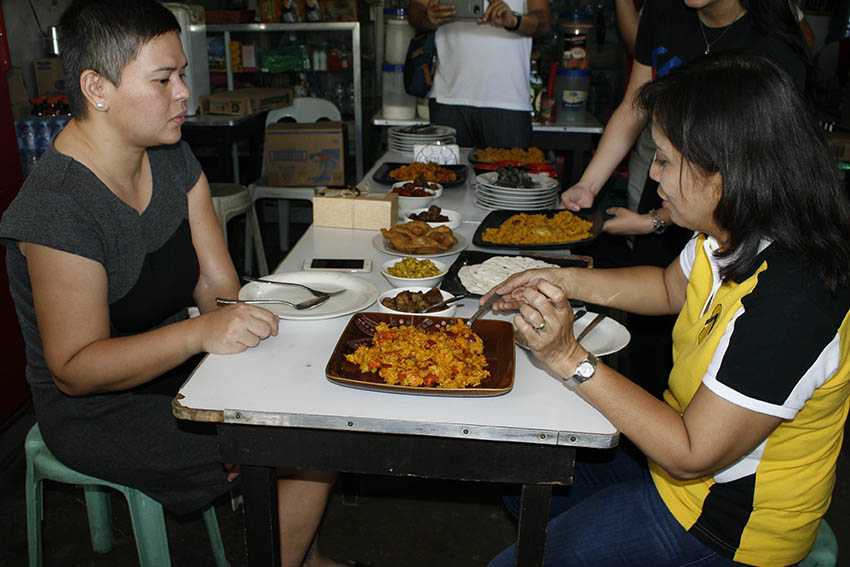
x=100 y=106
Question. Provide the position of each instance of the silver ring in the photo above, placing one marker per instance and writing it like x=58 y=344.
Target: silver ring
x=540 y=327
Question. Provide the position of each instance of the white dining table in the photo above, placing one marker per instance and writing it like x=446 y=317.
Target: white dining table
x=274 y=406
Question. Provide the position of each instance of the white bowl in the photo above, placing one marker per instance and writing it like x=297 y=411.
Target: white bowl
x=408 y=203
x=396 y=281
x=454 y=221
x=446 y=311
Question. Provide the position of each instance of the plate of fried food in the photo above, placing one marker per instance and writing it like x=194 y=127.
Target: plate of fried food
x=537 y=229
x=446 y=175
x=417 y=238
x=399 y=354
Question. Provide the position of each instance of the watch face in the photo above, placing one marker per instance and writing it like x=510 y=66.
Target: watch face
x=585 y=369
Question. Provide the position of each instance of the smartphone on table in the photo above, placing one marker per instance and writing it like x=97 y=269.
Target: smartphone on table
x=338 y=264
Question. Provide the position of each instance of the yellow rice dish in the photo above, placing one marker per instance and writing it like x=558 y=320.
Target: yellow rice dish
x=523 y=228
x=451 y=357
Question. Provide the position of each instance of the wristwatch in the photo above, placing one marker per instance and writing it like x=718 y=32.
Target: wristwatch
x=658 y=224
x=584 y=371
x=515 y=27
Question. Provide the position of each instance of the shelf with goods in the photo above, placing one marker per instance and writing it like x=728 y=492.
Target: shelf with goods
x=266 y=35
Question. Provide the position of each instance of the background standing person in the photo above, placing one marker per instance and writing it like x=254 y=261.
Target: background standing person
x=481 y=88
x=738 y=460
x=109 y=241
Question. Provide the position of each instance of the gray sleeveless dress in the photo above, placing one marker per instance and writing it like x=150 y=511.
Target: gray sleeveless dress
x=128 y=437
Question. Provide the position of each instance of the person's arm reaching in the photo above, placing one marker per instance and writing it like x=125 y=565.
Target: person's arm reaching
x=618 y=138
x=628 y=19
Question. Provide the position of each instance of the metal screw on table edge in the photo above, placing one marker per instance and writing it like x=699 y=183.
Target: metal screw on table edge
x=466 y=431
x=237 y=415
x=573 y=439
x=542 y=436
x=350 y=424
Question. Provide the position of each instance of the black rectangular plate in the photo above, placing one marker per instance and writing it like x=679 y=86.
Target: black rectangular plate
x=496 y=218
x=451 y=282
x=382 y=174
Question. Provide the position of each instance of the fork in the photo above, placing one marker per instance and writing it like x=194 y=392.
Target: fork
x=307 y=304
x=315 y=292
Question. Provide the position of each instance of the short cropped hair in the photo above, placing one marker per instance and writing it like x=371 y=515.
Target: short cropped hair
x=104 y=36
x=742 y=116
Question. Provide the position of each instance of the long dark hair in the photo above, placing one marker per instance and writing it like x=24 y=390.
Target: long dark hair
x=105 y=35
x=776 y=17
x=740 y=115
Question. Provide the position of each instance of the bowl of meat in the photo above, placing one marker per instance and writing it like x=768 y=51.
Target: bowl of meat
x=415 y=299
x=416 y=194
x=434 y=216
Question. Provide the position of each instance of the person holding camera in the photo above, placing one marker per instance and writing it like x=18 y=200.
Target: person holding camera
x=481 y=86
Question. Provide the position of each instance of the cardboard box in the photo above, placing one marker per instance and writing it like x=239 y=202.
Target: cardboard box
x=305 y=154
x=49 y=76
x=243 y=102
x=344 y=209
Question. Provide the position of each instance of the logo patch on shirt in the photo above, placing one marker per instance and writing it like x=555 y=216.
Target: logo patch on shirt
x=709 y=325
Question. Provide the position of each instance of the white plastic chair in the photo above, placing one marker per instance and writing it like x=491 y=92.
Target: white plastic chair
x=303 y=110
x=229 y=200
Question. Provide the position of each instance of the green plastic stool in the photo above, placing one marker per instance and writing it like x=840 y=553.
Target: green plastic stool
x=145 y=512
x=825 y=551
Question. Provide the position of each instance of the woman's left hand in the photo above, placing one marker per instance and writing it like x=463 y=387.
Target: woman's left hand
x=498 y=14
x=546 y=322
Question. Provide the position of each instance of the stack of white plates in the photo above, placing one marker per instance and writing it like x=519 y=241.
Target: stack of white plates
x=403 y=138
x=543 y=195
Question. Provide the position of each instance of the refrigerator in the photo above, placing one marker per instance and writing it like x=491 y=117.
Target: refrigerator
x=14 y=391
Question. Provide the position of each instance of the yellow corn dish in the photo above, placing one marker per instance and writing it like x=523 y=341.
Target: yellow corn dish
x=450 y=357
x=523 y=228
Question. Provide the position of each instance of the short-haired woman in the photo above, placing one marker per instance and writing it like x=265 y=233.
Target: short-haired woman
x=111 y=238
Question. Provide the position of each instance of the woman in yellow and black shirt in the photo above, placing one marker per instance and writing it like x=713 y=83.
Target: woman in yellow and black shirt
x=741 y=453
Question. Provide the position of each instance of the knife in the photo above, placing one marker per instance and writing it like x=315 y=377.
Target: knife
x=586 y=330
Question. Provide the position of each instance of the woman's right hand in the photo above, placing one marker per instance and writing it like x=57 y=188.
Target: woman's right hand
x=236 y=328
x=577 y=197
x=512 y=289
x=438 y=14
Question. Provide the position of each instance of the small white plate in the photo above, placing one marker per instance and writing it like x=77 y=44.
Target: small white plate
x=380 y=243
x=359 y=294
x=608 y=337
x=454 y=221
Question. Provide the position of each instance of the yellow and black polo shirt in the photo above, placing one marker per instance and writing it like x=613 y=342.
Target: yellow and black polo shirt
x=776 y=343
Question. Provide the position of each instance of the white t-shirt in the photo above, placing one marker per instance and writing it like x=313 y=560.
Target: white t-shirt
x=482 y=65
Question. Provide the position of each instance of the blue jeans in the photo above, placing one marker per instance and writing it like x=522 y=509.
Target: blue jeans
x=612 y=515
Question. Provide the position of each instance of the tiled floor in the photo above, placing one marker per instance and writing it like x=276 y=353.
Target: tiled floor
x=395 y=522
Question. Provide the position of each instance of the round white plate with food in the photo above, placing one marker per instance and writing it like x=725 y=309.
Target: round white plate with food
x=381 y=244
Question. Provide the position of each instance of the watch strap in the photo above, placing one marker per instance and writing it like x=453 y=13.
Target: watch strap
x=658 y=224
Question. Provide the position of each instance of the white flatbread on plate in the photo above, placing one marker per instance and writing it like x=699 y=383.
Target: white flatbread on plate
x=481 y=278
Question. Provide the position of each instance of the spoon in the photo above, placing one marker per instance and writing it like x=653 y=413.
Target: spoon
x=312 y=302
